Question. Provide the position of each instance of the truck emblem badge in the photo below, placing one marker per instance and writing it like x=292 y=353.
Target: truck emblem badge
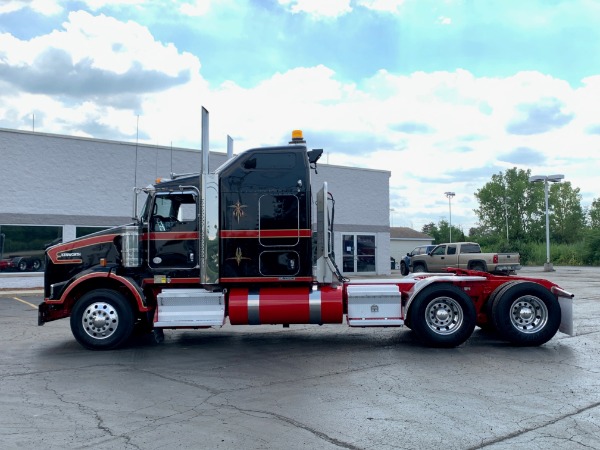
x=238 y=256
x=374 y=308
x=238 y=210
x=68 y=255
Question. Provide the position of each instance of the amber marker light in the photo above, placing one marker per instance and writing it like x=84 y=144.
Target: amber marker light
x=102 y=262
x=297 y=137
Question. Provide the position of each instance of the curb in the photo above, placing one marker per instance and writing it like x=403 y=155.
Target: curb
x=12 y=292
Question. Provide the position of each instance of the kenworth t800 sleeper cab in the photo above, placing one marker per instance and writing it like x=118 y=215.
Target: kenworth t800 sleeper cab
x=237 y=244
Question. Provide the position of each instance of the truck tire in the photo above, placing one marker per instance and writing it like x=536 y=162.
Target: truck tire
x=36 y=264
x=526 y=313
x=487 y=307
x=442 y=315
x=478 y=266
x=22 y=265
x=419 y=268
x=102 y=319
x=403 y=268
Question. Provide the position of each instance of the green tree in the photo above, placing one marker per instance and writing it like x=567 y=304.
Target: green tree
x=441 y=232
x=594 y=214
x=567 y=219
x=432 y=230
x=510 y=201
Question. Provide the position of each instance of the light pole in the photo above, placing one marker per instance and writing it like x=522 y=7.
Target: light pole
x=545 y=179
x=506 y=217
x=450 y=195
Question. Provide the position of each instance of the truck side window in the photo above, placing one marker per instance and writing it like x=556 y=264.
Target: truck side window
x=187 y=212
x=470 y=248
x=174 y=211
x=441 y=250
x=270 y=161
x=452 y=249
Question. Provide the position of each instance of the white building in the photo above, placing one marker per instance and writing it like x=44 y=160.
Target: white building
x=62 y=187
x=403 y=240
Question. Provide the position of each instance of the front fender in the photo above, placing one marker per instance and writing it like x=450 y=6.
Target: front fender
x=93 y=279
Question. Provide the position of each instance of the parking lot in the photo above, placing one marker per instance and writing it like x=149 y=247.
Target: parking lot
x=301 y=387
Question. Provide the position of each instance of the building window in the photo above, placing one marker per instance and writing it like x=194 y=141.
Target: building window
x=358 y=253
x=22 y=246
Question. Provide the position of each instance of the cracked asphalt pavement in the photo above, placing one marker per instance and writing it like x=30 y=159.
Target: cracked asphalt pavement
x=304 y=387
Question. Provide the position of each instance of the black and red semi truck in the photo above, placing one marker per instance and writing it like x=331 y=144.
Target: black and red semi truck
x=251 y=244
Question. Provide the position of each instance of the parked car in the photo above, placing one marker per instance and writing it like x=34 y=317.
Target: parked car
x=420 y=250
x=465 y=255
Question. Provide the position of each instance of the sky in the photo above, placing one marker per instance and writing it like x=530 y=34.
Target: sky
x=441 y=93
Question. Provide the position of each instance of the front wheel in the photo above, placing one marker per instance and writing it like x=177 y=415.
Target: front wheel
x=403 y=268
x=102 y=319
x=526 y=314
x=442 y=315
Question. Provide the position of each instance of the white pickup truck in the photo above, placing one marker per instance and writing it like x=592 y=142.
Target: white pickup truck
x=465 y=255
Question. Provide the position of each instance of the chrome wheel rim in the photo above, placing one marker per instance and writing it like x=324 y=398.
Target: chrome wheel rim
x=444 y=315
x=528 y=314
x=100 y=320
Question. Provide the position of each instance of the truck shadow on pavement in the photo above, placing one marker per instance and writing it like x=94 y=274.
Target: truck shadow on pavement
x=298 y=342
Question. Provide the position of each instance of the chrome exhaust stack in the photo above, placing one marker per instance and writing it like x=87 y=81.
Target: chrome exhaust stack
x=209 y=215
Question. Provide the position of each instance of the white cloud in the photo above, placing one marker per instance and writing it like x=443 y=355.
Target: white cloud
x=195 y=8
x=95 y=5
x=108 y=43
x=318 y=8
x=435 y=131
x=44 y=7
x=391 y=6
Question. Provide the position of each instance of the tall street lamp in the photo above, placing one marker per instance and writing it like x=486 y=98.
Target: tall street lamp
x=506 y=217
x=450 y=195
x=547 y=179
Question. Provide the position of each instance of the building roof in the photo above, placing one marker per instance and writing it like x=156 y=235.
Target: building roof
x=406 y=233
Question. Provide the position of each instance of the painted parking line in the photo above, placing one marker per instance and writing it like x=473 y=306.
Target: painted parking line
x=26 y=302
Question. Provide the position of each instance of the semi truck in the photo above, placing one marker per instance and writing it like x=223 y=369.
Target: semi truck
x=251 y=243
x=23 y=261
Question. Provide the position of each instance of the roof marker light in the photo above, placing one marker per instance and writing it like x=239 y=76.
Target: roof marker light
x=297 y=137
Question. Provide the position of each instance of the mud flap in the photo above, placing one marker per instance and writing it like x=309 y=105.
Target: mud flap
x=566 y=321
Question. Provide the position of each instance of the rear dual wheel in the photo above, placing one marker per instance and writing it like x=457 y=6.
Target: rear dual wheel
x=442 y=315
x=525 y=313
x=419 y=268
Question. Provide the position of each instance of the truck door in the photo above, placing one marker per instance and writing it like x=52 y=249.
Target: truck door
x=173 y=231
x=437 y=261
x=451 y=256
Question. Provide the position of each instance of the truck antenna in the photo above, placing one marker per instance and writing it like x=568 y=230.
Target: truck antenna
x=137 y=136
